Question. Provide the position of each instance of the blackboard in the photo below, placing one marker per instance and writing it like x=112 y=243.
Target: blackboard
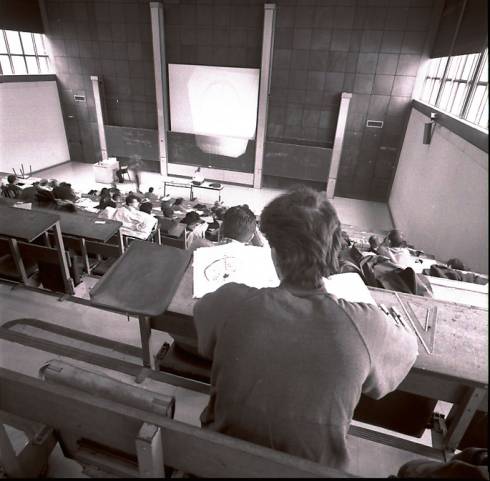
x=128 y=141
x=183 y=149
x=303 y=162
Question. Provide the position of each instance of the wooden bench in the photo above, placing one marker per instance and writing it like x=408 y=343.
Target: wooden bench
x=111 y=435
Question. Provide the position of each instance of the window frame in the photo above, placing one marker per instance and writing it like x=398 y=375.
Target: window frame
x=444 y=80
x=37 y=55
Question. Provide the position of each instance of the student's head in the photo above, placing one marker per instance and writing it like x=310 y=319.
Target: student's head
x=304 y=233
x=44 y=183
x=396 y=238
x=54 y=183
x=12 y=179
x=455 y=263
x=116 y=197
x=132 y=201
x=150 y=190
x=146 y=207
x=346 y=242
x=104 y=192
x=239 y=223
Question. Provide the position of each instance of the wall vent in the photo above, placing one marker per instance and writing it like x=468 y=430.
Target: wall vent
x=79 y=98
x=378 y=124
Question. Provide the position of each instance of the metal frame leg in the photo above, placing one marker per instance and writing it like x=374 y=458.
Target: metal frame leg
x=145 y=332
x=65 y=273
x=19 y=263
x=83 y=247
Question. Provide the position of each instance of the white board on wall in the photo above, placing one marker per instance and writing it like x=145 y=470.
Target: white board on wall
x=214 y=102
x=31 y=126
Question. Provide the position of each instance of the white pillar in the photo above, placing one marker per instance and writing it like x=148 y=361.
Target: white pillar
x=161 y=82
x=100 y=118
x=264 y=90
x=338 y=143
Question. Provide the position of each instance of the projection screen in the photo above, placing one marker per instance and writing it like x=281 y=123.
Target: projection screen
x=218 y=104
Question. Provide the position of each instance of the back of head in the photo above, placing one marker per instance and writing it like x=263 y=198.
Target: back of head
x=455 y=263
x=11 y=179
x=150 y=190
x=239 y=223
x=43 y=183
x=396 y=238
x=146 y=207
x=130 y=199
x=304 y=230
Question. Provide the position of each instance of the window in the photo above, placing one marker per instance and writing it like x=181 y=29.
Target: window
x=459 y=85
x=23 y=53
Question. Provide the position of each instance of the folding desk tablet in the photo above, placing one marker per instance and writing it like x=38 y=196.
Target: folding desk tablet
x=208 y=186
x=27 y=225
x=142 y=283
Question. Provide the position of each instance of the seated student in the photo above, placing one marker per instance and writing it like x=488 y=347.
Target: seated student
x=44 y=195
x=146 y=206
x=151 y=196
x=135 y=223
x=394 y=247
x=166 y=206
x=64 y=191
x=12 y=189
x=105 y=199
x=29 y=193
x=290 y=363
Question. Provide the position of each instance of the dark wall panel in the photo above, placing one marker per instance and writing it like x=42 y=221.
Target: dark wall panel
x=21 y=15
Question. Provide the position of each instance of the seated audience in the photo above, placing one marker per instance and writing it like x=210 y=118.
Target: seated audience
x=455 y=263
x=166 y=206
x=394 y=247
x=44 y=195
x=151 y=196
x=135 y=223
x=290 y=363
x=105 y=199
x=12 y=189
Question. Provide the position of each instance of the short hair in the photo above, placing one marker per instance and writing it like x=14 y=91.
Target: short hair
x=43 y=182
x=130 y=199
x=104 y=192
x=11 y=178
x=150 y=189
x=396 y=238
x=455 y=263
x=239 y=223
x=304 y=230
x=146 y=207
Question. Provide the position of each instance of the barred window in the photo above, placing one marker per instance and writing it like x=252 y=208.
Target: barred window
x=459 y=85
x=23 y=53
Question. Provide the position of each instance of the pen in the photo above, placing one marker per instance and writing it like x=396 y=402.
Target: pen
x=396 y=314
x=383 y=308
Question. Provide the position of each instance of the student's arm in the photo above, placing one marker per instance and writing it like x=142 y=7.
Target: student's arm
x=392 y=349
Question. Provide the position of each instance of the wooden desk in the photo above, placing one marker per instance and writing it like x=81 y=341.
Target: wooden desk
x=142 y=282
x=456 y=371
x=27 y=225
x=205 y=185
x=172 y=183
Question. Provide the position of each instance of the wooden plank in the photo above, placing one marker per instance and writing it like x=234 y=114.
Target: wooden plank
x=145 y=333
x=24 y=224
x=149 y=448
x=17 y=257
x=8 y=459
x=188 y=448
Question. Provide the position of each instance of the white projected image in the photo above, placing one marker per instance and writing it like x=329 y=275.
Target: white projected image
x=217 y=103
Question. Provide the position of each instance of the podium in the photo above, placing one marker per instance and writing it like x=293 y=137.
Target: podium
x=104 y=171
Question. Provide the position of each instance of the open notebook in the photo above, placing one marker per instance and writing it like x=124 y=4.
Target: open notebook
x=252 y=266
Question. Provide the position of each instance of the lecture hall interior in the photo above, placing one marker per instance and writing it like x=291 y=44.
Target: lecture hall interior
x=168 y=166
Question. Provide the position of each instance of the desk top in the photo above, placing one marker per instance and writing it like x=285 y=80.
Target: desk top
x=143 y=280
x=87 y=225
x=461 y=343
x=24 y=224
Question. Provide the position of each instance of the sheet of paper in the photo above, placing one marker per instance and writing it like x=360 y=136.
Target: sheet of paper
x=233 y=262
x=23 y=205
x=348 y=286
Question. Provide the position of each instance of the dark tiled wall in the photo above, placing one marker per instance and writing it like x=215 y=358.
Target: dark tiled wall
x=225 y=33
x=111 y=39
x=371 y=48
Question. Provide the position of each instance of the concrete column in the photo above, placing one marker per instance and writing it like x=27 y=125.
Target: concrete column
x=100 y=118
x=161 y=81
x=338 y=143
x=264 y=90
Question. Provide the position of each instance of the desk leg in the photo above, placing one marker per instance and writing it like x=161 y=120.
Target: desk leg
x=460 y=417
x=121 y=242
x=83 y=247
x=65 y=273
x=145 y=332
x=164 y=189
x=19 y=263
x=191 y=196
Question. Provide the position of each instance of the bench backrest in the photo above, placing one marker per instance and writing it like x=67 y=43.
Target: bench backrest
x=129 y=440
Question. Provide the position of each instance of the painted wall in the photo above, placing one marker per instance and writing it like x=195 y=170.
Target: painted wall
x=440 y=195
x=31 y=110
